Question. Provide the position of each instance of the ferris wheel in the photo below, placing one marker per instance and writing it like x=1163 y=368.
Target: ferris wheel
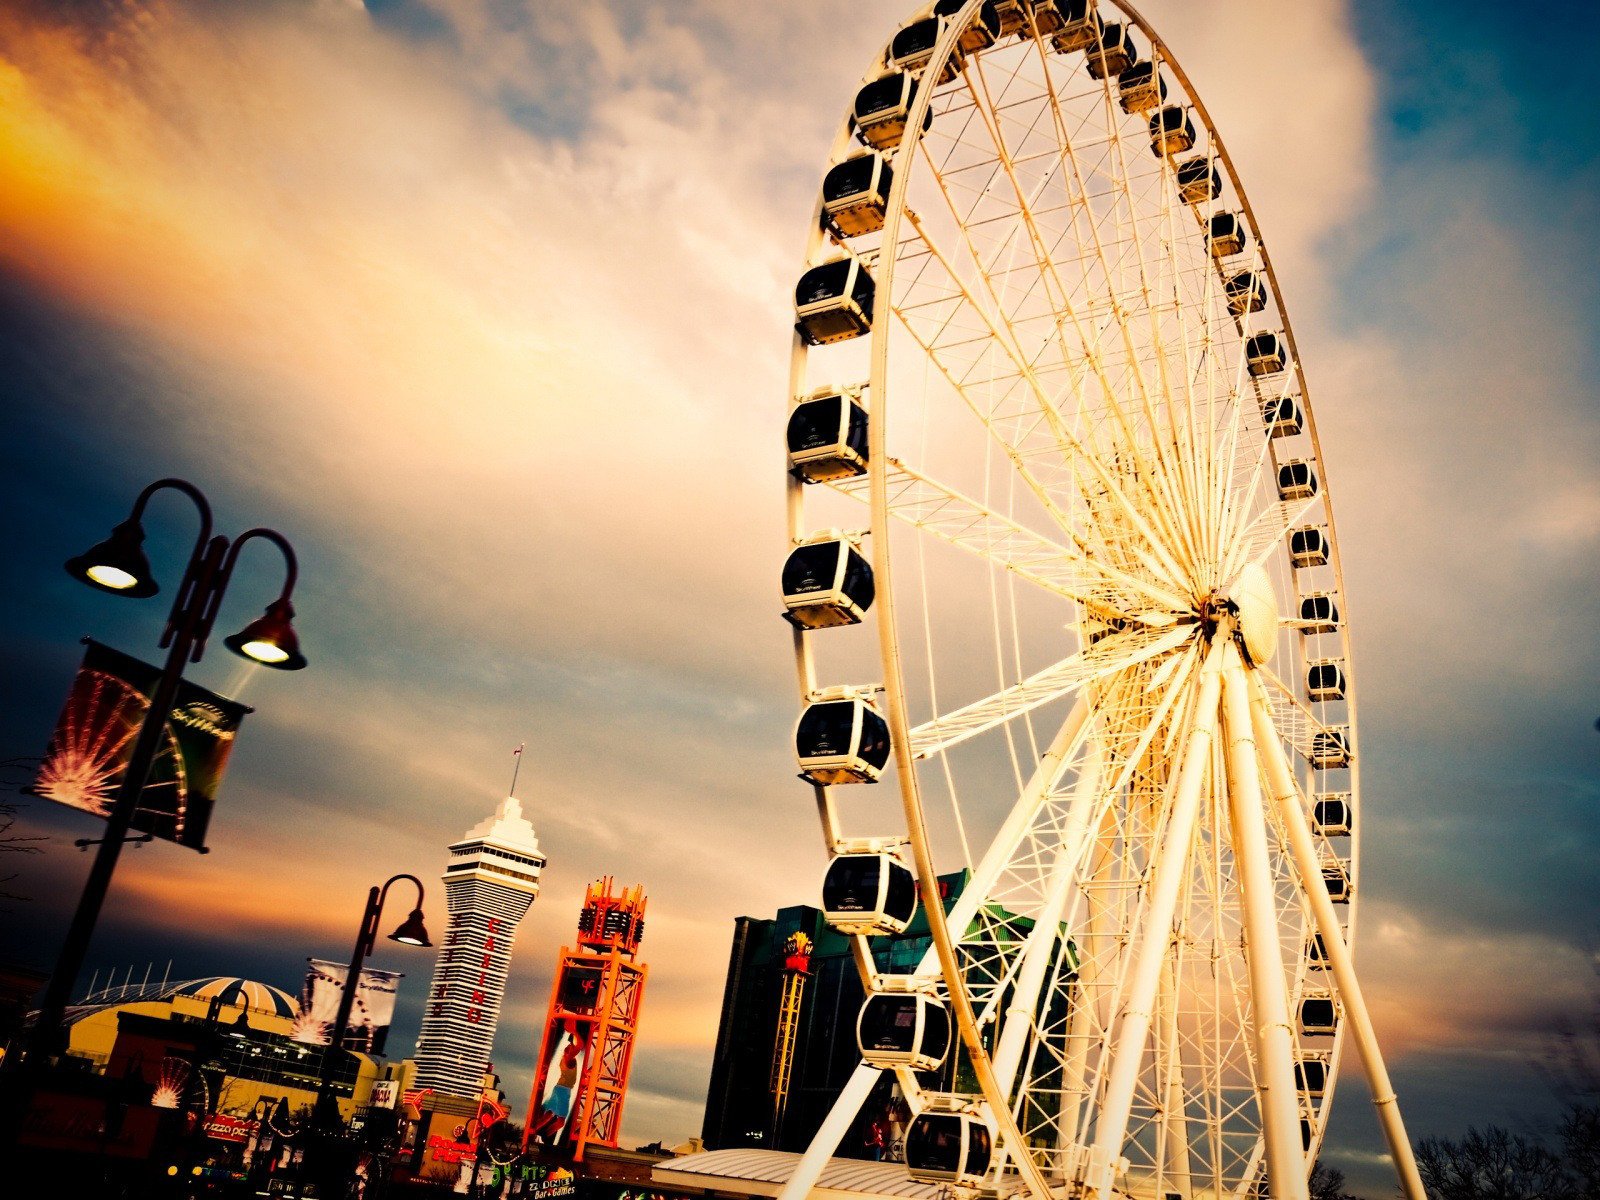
x=1064 y=581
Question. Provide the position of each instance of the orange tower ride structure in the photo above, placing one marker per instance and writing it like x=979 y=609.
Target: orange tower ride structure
x=581 y=1078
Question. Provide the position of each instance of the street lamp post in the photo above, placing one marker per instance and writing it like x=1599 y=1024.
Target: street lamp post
x=412 y=932
x=118 y=565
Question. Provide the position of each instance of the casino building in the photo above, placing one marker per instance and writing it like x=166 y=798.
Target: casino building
x=490 y=880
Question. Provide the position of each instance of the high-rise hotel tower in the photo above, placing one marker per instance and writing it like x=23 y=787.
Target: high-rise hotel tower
x=491 y=879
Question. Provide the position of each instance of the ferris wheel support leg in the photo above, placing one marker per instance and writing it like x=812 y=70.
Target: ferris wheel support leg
x=1022 y=1011
x=1286 y=795
x=809 y=1169
x=1155 y=929
x=1275 y=1087
x=1175 y=1171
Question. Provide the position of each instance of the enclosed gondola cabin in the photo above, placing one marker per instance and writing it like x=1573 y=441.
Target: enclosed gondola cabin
x=882 y=108
x=1330 y=749
x=827 y=438
x=1308 y=547
x=1325 y=680
x=855 y=195
x=826 y=582
x=1140 y=88
x=1319 y=1015
x=841 y=739
x=900 y=1029
x=1246 y=293
x=1048 y=16
x=1332 y=816
x=869 y=894
x=1199 y=180
x=1264 y=354
x=1297 y=480
x=1281 y=417
x=1112 y=54
x=1311 y=1075
x=912 y=48
x=1077 y=26
x=1012 y=19
x=1319 y=613
x=949 y=1147
x=1336 y=875
x=1171 y=132
x=833 y=302
x=985 y=28
x=1226 y=235
x=1316 y=951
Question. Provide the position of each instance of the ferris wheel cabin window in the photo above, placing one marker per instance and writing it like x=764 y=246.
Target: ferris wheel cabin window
x=1330 y=749
x=946 y=1147
x=1246 y=293
x=1332 y=816
x=1140 y=88
x=1325 y=680
x=1226 y=235
x=903 y=1030
x=1319 y=613
x=1281 y=417
x=855 y=194
x=1264 y=354
x=841 y=741
x=1171 y=132
x=1112 y=53
x=1311 y=1075
x=1319 y=1015
x=1308 y=547
x=882 y=108
x=833 y=302
x=912 y=49
x=869 y=894
x=1077 y=25
x=1296 y=480
x=1198 y=178
x=985 y=28
x=827 y=438
x=825 y=584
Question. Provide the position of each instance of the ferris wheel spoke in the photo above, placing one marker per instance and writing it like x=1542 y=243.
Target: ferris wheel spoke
x=943 y=512
x=1060 y=296
x=1107 y=657
x=1152 y=550
x=1181 y=528
x=1264 y=534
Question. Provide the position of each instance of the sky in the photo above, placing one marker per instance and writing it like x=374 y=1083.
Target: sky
x=485 y=305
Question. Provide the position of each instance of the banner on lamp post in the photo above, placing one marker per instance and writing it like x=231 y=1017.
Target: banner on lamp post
x=88 y=755
x=371 y=1012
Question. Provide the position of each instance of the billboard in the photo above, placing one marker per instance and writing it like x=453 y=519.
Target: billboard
x=88 y=753
x=561 y=1073
x=370 y=1012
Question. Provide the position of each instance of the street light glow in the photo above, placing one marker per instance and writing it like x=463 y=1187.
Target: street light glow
x=112 y=577
x=264 y=652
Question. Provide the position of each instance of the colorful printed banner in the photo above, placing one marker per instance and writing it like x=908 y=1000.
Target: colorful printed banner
x=93 y=740
x=370 y=1012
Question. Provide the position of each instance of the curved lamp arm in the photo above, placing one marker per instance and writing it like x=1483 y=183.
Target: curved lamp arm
x=225 y=573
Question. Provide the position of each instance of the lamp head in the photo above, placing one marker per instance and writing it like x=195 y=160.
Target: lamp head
x=117 y=565
x=270 y=639
x=412 y=932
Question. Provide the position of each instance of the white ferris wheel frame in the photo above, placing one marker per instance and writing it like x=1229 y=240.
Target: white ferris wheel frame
x=1233 y=706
